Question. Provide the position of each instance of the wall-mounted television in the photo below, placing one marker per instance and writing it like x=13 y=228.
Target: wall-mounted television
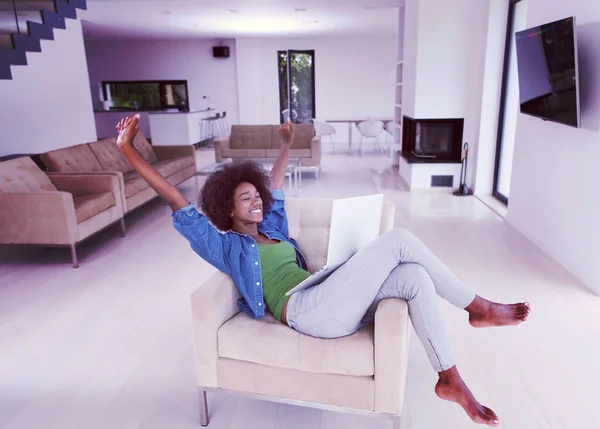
x=549 y=73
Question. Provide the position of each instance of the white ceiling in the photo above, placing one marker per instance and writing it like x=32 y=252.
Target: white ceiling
x=159 y=19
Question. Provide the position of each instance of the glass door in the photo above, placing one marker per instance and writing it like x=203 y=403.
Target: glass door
x=296 y=86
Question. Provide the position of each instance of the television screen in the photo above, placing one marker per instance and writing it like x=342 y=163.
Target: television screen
x=548 y=72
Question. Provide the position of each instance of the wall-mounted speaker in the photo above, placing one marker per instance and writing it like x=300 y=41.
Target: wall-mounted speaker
x=221 y=51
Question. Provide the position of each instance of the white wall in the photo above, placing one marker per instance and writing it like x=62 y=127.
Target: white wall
x=554 y=198
x=190 y=60
x=354 y=77
x=47 y=105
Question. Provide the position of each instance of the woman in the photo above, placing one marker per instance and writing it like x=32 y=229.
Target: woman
x=265 y=263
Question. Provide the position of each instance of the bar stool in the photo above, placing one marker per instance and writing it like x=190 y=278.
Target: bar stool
x=208 y=128
x=224 y=125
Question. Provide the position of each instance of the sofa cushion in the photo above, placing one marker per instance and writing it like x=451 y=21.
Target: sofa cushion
x=244 y=153
x=74 y=159
x=109 y=156
x=250 y=137
x=23 y=175
x=172 y=166
x=134 y=183
x=303 y=134
x=90 y=205
x=142 y=145
x=268 y=342
x=294 y=153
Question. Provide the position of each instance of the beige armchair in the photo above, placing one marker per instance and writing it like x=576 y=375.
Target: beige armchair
x=55 y=210
x=363 y=373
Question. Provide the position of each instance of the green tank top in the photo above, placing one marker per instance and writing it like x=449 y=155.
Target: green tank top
x=280 y=274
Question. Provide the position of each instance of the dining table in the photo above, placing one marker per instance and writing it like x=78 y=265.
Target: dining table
x=356 y=121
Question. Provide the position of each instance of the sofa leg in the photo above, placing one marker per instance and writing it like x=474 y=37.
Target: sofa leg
x=123 y=231
x=204 y=421
x=74 y=256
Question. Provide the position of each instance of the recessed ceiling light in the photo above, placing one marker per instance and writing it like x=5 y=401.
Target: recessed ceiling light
x=233 y=11
x=301 y=9
x=310 y=22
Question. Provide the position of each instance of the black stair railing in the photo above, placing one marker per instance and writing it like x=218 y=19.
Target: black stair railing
x=24 y=23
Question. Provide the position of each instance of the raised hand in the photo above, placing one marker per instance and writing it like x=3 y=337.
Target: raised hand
x=127 y=129
x=286 y=131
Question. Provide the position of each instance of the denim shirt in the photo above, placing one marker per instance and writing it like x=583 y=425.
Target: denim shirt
x=237 y=254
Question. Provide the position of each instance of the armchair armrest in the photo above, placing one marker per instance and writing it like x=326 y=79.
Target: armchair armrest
x=38 y=218
x=164 y=153
x=220 y=144
x=392 y=330
x=80 y=185
x=213 y=304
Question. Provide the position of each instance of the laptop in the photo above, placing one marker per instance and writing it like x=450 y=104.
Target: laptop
x=355 y=222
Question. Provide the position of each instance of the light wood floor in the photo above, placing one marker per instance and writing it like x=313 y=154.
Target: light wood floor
x=108 y=346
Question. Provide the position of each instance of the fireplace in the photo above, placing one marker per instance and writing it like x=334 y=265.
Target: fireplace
x=432 y=140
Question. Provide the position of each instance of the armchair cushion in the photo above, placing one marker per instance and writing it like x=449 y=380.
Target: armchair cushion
x=268 y=342
x=23 y=175
x=90 y=205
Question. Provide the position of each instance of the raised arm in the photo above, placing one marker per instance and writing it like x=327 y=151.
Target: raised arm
x=277 y=175
x=128 y=129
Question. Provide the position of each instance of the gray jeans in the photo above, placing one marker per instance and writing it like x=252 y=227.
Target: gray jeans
x=396 y=265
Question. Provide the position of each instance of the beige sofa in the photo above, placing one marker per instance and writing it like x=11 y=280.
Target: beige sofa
x=176 y=163
x=263 y=141
x=55 y=210
x=364 y=372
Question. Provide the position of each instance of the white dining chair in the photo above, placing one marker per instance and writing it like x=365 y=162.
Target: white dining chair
x=369 y=129
x=322 y=128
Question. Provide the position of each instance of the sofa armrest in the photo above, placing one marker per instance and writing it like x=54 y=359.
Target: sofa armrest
x=38 y=218
x=213 y=304
x=220 y=144
x=392 y=330
x=387 y=217
x=164 y=153
x=117 y=174
x=315 y=153
x=88 y=184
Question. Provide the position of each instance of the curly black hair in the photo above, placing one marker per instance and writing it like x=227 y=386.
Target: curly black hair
x=216 y=197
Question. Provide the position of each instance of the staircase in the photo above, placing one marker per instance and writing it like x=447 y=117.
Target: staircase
x=24 y=23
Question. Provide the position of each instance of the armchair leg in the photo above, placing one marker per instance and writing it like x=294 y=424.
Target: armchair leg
x=74 y=256
x=123 y=232
x=204 y=421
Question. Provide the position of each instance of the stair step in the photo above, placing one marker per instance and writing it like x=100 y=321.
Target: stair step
x=67 y=10
x=13 y=57
x=41 y=31
x=79 y=4
x=26 y=43
x=5 y=73
x=53 y=20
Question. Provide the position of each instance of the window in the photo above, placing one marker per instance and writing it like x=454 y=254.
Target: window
x=296 y=86
x=509 y=104
x=148 y=95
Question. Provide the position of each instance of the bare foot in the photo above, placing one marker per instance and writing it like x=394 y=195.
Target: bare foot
x=484 y=313
x=452 y=388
